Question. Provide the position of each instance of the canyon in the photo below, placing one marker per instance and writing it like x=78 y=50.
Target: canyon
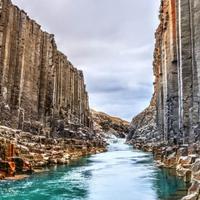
x=45 y=115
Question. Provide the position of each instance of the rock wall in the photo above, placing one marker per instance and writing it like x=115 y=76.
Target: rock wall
x=177 y=72
x=143 y=126
x=39 y=87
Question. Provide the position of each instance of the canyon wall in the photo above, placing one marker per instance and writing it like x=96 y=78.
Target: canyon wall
x=39 y=87
x=175 y=106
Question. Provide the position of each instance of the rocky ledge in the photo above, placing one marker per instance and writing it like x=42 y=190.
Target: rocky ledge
x=184 y=159
x=41 y=151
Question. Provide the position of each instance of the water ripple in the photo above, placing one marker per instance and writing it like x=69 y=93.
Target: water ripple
x=121 y=173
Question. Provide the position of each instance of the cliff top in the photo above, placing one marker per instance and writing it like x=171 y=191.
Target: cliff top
x=114 y=119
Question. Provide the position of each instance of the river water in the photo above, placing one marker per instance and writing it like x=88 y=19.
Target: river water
x=122 y=173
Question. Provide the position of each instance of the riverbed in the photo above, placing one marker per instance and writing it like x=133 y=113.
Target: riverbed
x=121 y=173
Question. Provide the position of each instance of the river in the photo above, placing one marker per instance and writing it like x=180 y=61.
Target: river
x=122 y=173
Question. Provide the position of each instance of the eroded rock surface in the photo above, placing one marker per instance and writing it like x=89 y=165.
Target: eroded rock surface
x=41 y=151
x=143 y=126
x=107 y=125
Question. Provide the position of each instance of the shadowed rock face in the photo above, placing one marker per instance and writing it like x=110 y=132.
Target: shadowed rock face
x=144 y=126
x=174 y=110
x=39 y=87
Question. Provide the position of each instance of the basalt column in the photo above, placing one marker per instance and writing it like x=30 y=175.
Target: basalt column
x=177 y=72
x=39 y=87
x=165 y=70
x=195 y=51
x=185 y=67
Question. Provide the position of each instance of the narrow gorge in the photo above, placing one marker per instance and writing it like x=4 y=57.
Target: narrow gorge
x=53 y=145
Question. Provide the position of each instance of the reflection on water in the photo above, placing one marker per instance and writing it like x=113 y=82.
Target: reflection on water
x=169 y=186
x=119 y=174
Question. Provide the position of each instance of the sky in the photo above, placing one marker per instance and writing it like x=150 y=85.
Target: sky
x=112 y=41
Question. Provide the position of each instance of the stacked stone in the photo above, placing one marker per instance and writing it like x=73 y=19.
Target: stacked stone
x=39 y=86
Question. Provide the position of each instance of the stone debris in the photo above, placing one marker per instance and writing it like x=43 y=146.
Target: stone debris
x=107 y=125
x=48 y=151
x=183 y=160
x=193 y=196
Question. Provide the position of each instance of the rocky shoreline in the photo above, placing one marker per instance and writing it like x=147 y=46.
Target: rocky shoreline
x=41 y=152
x=184 y=159
x=44 y=105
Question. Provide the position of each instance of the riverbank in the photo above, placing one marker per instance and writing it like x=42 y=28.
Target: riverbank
x=41 y=151
x=184 y=159
x=120 y=173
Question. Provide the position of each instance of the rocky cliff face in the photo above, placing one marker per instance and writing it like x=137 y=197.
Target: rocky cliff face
x=177 y=74
x=143 y=126
x=108 y=125
x=40 y=90
x=170 y=126
x=44 y=109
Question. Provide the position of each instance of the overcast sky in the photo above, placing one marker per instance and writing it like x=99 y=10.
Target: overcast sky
x=112 y=41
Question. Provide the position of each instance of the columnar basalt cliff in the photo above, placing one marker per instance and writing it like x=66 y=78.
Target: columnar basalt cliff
x=44 y=110
x=39 y=86
x=170 y=126
x=177 y=75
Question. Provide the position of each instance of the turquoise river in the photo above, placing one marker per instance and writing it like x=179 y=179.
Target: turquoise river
x=122 y=173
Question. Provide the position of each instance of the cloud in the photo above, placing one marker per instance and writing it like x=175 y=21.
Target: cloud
x=112 y=41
